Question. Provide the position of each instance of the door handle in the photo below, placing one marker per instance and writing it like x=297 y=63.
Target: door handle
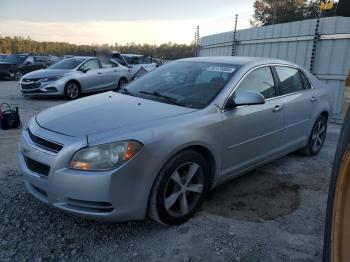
x=277 y=108
x=99 y=73
x=313 y=99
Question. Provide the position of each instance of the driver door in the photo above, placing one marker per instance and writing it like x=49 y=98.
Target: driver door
x=252 y=134
x=91 y=78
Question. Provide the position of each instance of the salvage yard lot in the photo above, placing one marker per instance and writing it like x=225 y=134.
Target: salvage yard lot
x=272 y=214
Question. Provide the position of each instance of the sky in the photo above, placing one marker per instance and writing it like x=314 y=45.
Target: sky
x=114 y=21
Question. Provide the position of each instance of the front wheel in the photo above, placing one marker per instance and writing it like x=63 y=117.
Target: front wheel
x=17 y=75
x=72 y=90
x=179 y=188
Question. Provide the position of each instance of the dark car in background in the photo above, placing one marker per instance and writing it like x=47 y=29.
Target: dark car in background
x=16 y=65
x=3 y=56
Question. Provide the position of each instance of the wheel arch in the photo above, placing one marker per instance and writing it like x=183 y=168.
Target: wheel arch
x=73 y=80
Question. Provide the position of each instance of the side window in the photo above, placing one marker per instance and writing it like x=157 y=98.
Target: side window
x=135 y=61
x=40 y=59
x=90 y=65
x=29 y=60
x=260 y=80
x=146 y=60
x=108 y=64
x=290 y=80
x=306 y=81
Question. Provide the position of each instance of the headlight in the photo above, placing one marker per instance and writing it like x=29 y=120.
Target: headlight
x=51 y=78
x=104 y=157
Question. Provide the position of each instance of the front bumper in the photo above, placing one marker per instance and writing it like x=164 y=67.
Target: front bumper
x=116 y=195
x=37 y=88
x=6 y=75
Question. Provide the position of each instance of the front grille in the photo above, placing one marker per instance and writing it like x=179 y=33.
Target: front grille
x=37 y=167
x=46 y=144
x=89 y=206
x=39 y=190
x=28 y=86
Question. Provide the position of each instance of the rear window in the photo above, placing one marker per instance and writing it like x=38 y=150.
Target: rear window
x=290 y=80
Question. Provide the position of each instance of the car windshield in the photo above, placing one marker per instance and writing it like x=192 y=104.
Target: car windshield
x=14 y=59
x=129 y=58
x=184 y=83
x=67 y=63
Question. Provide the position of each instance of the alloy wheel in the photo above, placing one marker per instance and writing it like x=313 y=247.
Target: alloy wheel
x=72 y=91
x=184 y=189
x=318 y=136
x=18 y=75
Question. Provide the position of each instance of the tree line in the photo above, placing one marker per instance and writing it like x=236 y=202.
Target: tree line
x=269 y=12
x=168 y=51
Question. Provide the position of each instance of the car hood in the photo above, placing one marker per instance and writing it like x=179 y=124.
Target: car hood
x=46 y=73
x=103 y=112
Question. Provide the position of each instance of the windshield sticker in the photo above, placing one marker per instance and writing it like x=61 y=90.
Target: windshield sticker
x=221 y=69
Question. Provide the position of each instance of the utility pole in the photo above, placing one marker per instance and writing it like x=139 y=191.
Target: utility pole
x=196 y=35
x=234 y=39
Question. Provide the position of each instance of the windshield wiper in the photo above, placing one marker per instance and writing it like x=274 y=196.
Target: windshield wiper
x=170 y=99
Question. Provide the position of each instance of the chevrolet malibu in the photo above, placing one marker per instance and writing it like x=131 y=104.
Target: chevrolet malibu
x=73 y=76
x=160 y=143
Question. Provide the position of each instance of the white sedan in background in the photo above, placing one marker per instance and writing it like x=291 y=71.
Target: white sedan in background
x=74 y=76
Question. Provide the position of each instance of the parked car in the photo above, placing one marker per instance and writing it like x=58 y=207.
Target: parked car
x=15 y=66
x=158 y=145
x=73 y=76
x=3 y=56
x=135 y=62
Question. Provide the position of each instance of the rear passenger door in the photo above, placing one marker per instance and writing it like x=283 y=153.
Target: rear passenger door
x=299 y=101
x=110 y=74
x=252 y=134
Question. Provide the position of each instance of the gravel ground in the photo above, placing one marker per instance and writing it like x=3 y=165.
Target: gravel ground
x=275 y=213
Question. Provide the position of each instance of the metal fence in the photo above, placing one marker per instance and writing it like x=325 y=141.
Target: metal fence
x=321 y=45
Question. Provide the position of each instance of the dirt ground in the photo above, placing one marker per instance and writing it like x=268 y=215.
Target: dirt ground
x=275 y=213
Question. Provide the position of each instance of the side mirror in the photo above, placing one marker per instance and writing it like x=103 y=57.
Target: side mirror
x=28 y=63
x=129 y=66
x=84 y=70
x=246 y=98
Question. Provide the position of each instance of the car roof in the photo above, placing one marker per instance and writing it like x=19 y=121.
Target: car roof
x=238 y=60
x=82 y=57
x=132 y=55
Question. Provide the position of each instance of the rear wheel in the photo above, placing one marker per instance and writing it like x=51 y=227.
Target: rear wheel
x=72 y=90
x=316 y=138
x=179 y=188
x=337 y=230
x=122 y=82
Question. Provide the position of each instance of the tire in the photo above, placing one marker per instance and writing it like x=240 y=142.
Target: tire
x=122 y=82
x=17 y=75
x=337 y=226
x=72 y=90
x=316 y=138
x=172 y=200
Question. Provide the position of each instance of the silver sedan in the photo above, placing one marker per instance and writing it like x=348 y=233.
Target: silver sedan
x=158 y=145
x=74 y=76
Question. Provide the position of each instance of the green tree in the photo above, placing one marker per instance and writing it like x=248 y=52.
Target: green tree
x=269 y=12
